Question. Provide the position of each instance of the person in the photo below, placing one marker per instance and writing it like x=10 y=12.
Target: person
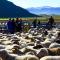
x=18 y=25
x=10 y=26
x=51 y=22
x=39 y=24
x=34 y=23
x=13 y=25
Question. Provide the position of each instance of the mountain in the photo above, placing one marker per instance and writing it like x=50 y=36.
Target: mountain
x=45 y=10
x=8 y=9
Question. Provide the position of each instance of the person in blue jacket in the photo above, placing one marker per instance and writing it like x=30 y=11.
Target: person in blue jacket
x=11 y=26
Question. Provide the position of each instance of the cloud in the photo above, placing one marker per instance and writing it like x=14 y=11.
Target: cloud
x=36 y=3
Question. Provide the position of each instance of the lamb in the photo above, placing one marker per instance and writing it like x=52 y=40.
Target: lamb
x=51 y=58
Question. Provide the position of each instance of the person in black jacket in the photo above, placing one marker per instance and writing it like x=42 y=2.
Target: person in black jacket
x=13 y=24
x=34 y=23
x=39 y=24
x=18 y=25
x=51 y=22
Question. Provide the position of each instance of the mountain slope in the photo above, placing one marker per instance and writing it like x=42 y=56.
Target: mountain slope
x=8 y=9
x=45 y=10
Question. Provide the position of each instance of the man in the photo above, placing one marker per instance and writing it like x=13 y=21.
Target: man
x=18 y=25
x=51 y=22
x=34 y=23
x=39 y=24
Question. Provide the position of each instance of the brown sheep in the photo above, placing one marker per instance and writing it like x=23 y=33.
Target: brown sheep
x=54 y=51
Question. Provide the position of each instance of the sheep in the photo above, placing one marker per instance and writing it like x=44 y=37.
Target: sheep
x=57 y=40
x=31 y=53
x=0 y=58
x=16 y=42
x=54 y=51
x=30 y=44
x=58 y=34
x=46 y=44
x=15 y=50
x=37 y=41
x=54 y=45
x=5 y=56
x=50 y=58
x=26 y=50
x=31 y=31
x=27 y=57
x=2 y=47
x=37 y=47
x=7 y=42
x=42 y=52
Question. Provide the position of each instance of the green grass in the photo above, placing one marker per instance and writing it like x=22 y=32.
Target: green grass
x=42 y=19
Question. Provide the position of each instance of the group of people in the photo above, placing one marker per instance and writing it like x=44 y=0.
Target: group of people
x=14 y=25
x=17 y=25
x=49 y=24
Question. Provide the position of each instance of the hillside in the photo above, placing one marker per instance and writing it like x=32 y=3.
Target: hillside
x=8 y=9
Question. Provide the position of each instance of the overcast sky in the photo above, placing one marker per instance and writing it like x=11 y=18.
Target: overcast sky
x=36 y=3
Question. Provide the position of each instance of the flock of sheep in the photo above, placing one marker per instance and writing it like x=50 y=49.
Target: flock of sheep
x=36 y=44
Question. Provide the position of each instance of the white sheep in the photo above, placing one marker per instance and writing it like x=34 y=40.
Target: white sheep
x=50 y=58
x=54 y=45
x=27 y=57
x=46 y=44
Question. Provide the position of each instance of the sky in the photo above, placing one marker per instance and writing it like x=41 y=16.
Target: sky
x=36 y=3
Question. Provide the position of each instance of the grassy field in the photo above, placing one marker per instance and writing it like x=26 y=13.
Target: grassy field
x=42 y=19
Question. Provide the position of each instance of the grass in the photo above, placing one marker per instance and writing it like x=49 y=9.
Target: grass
x=42 y=19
